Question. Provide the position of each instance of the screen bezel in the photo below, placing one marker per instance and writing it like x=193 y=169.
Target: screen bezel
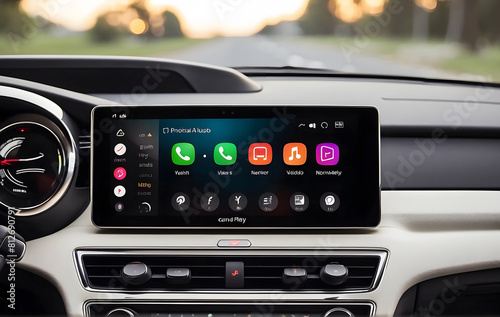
x=369 y=113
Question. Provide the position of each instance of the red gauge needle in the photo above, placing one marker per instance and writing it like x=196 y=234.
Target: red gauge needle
x=8 y=161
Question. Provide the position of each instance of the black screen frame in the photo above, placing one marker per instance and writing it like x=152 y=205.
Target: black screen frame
x=102 y=125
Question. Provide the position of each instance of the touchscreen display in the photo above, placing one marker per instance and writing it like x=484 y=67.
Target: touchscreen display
x=235 y=167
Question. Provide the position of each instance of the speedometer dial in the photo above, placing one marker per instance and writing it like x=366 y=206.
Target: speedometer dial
x=33 y=165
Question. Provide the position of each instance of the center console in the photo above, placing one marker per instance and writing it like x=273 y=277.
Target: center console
x=233 y=171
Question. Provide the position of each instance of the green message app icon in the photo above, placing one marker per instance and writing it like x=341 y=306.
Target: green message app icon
x=225 y=154
x=183 y=154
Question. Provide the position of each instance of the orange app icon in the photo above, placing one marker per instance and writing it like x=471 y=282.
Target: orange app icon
x=260 y=153
x=294 y=154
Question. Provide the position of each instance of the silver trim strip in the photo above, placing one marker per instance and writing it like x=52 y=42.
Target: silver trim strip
x=121 y=303
x=381 y=253
x=123 y=310
x=62 y=133
x=349 y=314
x=33 y=98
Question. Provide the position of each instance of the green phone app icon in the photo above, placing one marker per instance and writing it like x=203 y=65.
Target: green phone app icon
x=183 y=154
x=225 y=154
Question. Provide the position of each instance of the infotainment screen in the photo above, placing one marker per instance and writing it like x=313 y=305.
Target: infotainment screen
x=258 y=167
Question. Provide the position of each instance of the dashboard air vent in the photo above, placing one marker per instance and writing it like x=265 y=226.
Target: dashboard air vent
x=105 y=271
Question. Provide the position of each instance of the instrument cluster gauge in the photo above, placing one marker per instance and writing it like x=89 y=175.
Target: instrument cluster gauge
x=36 y=162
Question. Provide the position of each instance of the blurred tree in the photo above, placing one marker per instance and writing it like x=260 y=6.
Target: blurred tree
x=456 y=20
x=438 y=20
x=400 y=23
x=172 y=25
x=11 y=17
x=103 y=31
x=471 y=32
x=420 y=29
x=318 y=19
x=489 y=23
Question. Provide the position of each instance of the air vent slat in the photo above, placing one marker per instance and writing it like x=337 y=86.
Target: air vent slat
x=209 y=272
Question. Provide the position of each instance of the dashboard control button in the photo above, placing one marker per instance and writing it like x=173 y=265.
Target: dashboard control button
x=329 y=202
x=235 y=243
x=235 y=274
x=334 y=274
x=268 y=202
x=121 y=312
x=178 y=275
x=237 y=202
x=119 y=207
x=294 y=275
x=209 y=202
x=136 y=273
x=338 y=312
x=180 y=201
x=144 y=208
x=299 y=202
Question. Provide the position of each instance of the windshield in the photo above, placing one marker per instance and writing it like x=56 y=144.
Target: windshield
x=449 y=39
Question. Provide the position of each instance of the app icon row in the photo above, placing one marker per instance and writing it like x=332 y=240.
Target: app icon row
x=267 y=202
x=258 y=154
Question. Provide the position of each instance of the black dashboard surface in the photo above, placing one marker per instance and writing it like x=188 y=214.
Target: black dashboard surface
x=434 y=135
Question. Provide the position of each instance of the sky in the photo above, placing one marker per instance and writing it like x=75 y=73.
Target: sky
x=199 y=18
x=206 y=18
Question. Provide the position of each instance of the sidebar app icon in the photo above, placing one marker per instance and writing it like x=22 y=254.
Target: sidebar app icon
x=327 y=154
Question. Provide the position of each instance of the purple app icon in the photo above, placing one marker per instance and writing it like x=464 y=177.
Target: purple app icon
x=327 y=154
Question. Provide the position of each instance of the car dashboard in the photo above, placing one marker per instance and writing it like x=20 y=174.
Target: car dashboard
x=427 y=244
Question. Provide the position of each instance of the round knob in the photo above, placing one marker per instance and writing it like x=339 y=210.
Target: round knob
x=136 y=273
x=333 y=274
x=121 y=312
x=339 y=312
